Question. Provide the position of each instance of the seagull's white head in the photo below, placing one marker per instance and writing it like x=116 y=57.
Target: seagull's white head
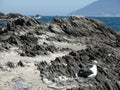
x=95 y=62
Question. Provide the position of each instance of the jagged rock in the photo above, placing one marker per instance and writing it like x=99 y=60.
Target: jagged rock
x=51 y=48
x=20 y=63
x=21 y=23
x=70 y=65
x=10 y=64
x=33 y=38
x=118 y=84
x=2 y=29
x=35 y=50
x=14 y=15
x=55 y=29
x=41 y=65
x=1 y=14
x=12 y=40
x=28 y=39
x=81 y=26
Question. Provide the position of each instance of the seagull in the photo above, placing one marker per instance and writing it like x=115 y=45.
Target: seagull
x=91 y=72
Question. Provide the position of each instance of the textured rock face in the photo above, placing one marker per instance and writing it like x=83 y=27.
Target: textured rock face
x=70 y=65
x=84 y=39
x=102 y=46
x=21 y=23
x=14 y=15
x=1 y=14
x=10 y=15
x=80 y=26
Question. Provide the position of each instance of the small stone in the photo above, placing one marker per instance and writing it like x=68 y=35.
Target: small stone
x=20 y=63
x=10 y=64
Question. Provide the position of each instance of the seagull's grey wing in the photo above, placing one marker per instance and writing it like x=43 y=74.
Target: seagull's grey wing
x=84 y=73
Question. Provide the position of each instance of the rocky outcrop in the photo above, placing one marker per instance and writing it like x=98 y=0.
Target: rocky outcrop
x=103 y=46
x=14 y=15
x=80 y=26
x=10 y=15
x=1 y=14
x=33 y=38
x=70 y=65
x=21 y=23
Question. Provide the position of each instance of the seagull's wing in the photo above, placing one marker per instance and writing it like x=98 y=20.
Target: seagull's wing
x=84 y=73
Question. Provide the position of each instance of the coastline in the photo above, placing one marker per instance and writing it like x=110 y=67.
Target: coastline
x=52 y=53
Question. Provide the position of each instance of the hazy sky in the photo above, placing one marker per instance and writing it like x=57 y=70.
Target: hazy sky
x=42 y=7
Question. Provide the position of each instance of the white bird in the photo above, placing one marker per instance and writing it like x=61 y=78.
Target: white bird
x=92 y=72
x=93 y=69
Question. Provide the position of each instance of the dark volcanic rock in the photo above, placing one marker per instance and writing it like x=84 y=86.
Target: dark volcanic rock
x=33 y=38
x=118 y=84
x=21 y=23
x=1 y=14
x=20 y=63
x=14 y=15
x=38 y=50
x=10 y=64
x=70 y=65
x=29 y=22
x=2 y=29
x=80 y=26
x=33 y=51
x=51 y=48
x=41 y=65
x=94 y=31
x=12 y=40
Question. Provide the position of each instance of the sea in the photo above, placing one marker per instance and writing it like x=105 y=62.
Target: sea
x=112 y=22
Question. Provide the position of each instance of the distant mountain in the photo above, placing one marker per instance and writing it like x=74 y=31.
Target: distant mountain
x=100 y=8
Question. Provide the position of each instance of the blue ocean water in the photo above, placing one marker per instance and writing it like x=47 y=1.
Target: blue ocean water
x=50 y=18
x=113 y=22
x=4 y=22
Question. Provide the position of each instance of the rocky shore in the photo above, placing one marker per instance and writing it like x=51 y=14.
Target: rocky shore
x=49 y=56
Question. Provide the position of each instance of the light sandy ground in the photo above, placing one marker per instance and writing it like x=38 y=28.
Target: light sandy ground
x=13 y=56
x=72 y=45
x=29 y=73
x=61 y=45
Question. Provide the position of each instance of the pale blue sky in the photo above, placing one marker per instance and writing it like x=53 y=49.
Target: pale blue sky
x=42 y=7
